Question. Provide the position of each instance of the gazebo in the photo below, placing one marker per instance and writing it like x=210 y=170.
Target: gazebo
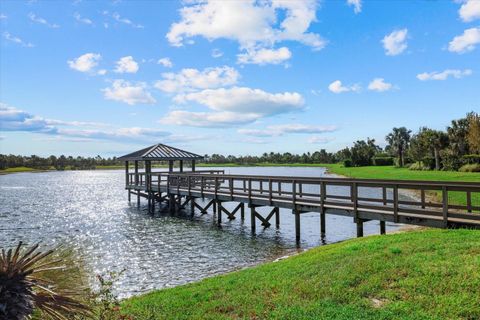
x=159 y=152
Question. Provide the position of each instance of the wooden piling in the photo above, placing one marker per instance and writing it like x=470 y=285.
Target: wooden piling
x=383 y=229
x=219 y=212
x=359 y=228
x=252 y=218
x=277 y=217
x=322 y=223
x=297 y=224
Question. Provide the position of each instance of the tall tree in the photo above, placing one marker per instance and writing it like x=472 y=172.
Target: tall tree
x=438 y=140
x=457 y=135
x=473 y=135
x=398 y=141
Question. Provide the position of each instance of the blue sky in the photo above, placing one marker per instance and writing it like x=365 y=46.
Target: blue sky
x=231 y=77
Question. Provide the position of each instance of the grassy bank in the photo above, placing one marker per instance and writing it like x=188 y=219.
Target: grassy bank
x=431 y=274
x=20 y=169
x=390 y=172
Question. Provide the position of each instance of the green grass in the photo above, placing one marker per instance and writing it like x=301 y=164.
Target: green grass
x=390 y=172
x=19 y=169
x=429 y=274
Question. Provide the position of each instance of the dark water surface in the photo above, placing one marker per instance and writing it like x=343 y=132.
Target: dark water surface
x=89 y=212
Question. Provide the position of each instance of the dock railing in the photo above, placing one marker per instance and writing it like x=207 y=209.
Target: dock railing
x=445 y=203
x=448 y=202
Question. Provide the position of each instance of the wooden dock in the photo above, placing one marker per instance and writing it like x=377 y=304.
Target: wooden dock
x=361 y=199
x=337 y=196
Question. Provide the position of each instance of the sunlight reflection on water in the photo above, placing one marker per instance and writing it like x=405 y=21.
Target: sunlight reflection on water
x=88 y=211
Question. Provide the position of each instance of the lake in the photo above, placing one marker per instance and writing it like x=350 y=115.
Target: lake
x=88 y=212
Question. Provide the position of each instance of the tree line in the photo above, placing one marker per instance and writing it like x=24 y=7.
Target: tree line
x=58 y=163
x=455 y=148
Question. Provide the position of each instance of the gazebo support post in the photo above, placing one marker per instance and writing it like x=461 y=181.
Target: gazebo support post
x=136 y=183
x=148 y=182
x=127 y=179
x=181 y=165
x=193 y=165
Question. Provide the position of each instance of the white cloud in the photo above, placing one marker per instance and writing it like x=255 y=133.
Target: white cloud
x=319 y=140
x=3 y=16
x=85 y=63
x=207 y=119
x=81 y=19
x=379 y=84
x=265 y=56
x=279 y=130
x=253 y=24
x=126 y=21
x=396 y=42
x=217 y=53
x=126 y=65
x=245 y=100
x=166 y=62
x=126 y=92
x=13 y=119
x=357 y=5
x=465 y=42
x=470 y=10
x=193 y=79
x=455 y=73
x=337 y=87
x=17 y=40
x=33 y=17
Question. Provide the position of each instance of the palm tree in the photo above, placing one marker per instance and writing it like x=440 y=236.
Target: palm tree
x=24 y=288
x=437 y=140
x=399 y=140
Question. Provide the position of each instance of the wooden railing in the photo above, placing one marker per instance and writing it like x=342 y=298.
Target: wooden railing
x=444 y=201
x=393 y=197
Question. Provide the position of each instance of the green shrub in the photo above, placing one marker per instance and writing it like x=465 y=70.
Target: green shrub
x=419 y=166
x=347 y=163
x=471 y=159
x=451 y=161
x=475 y=167
x=383 y=161
x=429 y=162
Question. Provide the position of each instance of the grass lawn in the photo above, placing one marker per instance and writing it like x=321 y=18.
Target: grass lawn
x=390 y=172
x=19 y=169
x=426 y=274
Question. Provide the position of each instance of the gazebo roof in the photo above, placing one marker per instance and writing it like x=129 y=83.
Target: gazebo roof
x=160 y=152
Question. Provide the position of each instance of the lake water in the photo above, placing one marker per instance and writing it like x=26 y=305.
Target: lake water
x=88 y=211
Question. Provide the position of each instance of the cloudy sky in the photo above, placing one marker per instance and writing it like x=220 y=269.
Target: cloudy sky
x=231 y=77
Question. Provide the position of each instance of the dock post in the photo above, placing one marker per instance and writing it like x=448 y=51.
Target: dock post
x=297 y=224
x=322 y=223
x=153 y=202
x=138 y=198
x=382 y=227
x=219 y=212
x=359 y=228
x=277 y=217
x=192 y=205
x=252 y=218
x=149 y=202
x=129 y=195
x=171 y=203
x=242 y=211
